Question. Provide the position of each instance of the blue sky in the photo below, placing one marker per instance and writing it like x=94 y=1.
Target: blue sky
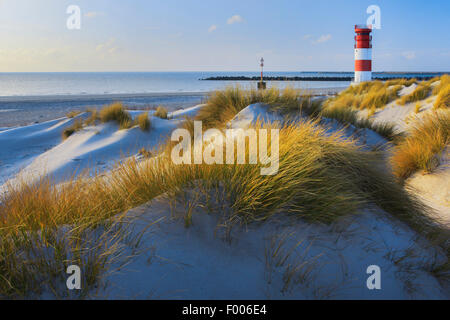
x=199 y=35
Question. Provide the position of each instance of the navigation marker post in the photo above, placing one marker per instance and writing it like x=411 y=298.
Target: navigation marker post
x=262 y=84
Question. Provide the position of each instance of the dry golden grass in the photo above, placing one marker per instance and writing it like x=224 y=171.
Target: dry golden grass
x=116 y=112
x=347 y=116
x=222 y=106
x=188 y=124
x=443 y=82
x=345 y=100
x=44 y=228
x=395 y=90
x=364 y=87
x=401 y=82
x=367 y=95
x=377 y=98
x=443 y=98
x=143 y=121
x=145 y=153
x=422 y=147
x=376 y=94
x=76 y=126
x=93 y=117
x=422 y=92
x=417 y=107
x=161 y=112
x=73 y=114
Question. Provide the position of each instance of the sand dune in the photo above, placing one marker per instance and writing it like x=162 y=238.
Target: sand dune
x=38 y=149
x=203 y=261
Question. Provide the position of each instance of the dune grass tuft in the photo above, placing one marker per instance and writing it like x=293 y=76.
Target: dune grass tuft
x=350 y=116
x=161 y=112
x=76 y=126
x=145 y=153
x=116 y=112
x=422 y=148
x=367 y=95
x=93 y=117
x=443 y=82
x=401 y=82
x=222 y=106
x=443 y=98
x=385 y=129
x=73 y=114
x=417 y=108
x=378 y=98
x=143 y=121
x=51 y=230
x=422 y=91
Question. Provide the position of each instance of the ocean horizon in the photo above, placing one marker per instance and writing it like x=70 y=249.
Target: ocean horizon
x=32 y=97
x=25 y=84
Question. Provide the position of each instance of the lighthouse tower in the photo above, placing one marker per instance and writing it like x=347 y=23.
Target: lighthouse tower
x=363 y=53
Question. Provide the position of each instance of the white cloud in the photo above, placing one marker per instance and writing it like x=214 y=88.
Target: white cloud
x=235 y=19
x=410 y=55
x=323 y=38
x=93 y=14
x=212 y=28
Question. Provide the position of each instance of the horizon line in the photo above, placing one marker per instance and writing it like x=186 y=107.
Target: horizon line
x=185 y=71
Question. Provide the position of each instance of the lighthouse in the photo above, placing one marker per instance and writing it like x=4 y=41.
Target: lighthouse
x=363 y=53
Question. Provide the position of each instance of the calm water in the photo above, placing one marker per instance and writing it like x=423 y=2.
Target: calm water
x=38 y=84
x=35 y=97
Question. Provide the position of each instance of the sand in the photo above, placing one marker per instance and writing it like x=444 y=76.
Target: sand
x=204 y=261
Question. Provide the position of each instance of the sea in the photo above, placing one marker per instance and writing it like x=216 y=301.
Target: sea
x=27 y=98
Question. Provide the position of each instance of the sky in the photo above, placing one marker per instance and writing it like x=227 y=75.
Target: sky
x=219 y=35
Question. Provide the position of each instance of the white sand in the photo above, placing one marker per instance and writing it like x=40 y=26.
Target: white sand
x=19 y=146
x=201 y=262
x=434 y=188
x=401 y=115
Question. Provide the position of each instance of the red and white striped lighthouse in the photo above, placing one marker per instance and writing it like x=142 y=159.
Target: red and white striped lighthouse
x=363 y=53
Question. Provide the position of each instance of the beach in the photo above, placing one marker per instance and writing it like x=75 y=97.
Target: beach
x=27 y=98
x=19 y=111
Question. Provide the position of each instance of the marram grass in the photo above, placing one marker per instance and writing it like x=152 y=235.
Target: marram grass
x=116 y=112
x=44 y=227
x=423 y=146
x=161 y=112
x=143 y=121
x=422 y=92
x=367 y=95
x=443 y=98
x=222 y=106
x=76 y=126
